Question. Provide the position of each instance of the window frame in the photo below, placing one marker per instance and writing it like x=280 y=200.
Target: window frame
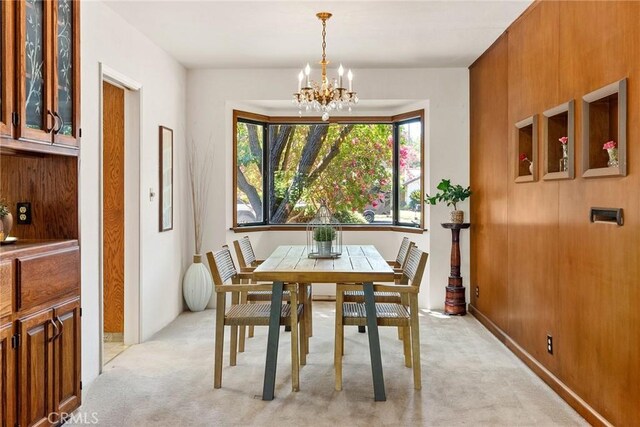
x=266 y=121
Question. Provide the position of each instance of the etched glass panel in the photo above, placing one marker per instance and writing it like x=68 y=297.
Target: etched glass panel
x=34 y=64
x=65 y=65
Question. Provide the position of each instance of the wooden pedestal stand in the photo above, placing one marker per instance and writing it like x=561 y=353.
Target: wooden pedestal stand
x=455 y=303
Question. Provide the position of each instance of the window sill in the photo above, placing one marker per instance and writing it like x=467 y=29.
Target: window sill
x=396 y=228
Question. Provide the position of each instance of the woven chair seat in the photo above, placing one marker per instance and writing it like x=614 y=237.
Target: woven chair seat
x=386 y=313
x=257 y=314
x=358 y=296
x=266 y=296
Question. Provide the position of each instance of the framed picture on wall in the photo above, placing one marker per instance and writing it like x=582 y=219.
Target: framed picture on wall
x=166 y=179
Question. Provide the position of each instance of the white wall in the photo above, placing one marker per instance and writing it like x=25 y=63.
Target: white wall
x=107 y=38
x=212 y=94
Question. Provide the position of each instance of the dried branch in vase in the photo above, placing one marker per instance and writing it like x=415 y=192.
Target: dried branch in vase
x=199 y=161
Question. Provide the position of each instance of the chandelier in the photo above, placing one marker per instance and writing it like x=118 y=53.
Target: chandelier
x=327 y=95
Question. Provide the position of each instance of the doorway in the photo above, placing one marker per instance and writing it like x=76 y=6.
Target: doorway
x=113 y=125
x=120 y=214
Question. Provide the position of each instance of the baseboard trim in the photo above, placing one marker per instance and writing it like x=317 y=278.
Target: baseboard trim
x=568 y=395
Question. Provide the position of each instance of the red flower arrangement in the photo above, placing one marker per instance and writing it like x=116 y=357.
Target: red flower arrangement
x=564 y=140
x=524 y=158
x=609 y=145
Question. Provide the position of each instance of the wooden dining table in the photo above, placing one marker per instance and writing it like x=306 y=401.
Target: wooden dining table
x=357 y=264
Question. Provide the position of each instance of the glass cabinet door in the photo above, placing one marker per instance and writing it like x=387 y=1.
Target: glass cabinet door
x=36 y=121
x=6 y=67
x=66 y=71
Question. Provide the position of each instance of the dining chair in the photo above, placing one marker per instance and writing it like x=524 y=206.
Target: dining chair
x=387 y=314
x=398 y=265
x=391 y=297
x=242 y=314
x=248 y=262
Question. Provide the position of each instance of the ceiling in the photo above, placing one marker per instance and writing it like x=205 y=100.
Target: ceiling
x=286 y=34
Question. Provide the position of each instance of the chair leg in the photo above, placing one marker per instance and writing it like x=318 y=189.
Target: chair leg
x=235 y=298
x=303 y=338
x=310 y=317
x=234 y=346
x=400 y=328
x=243 y=329
x=339 y=343
x=306 y=315
x=217 y=365
x=295 y=361
x=251 y=326
x=406 y=344
x=415 y=342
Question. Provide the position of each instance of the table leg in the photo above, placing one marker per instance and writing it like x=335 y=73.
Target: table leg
x=374 y=343
x=269 y=386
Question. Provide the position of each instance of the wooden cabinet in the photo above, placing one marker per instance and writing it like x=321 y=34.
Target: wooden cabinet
x=66 y=356
x=49 y=364
x=47 y=71
x=40 y=354
x=7 y=377
x=35 y=363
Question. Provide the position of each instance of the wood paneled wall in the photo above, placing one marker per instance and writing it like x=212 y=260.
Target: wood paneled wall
x=540 y=265
x=50 y=183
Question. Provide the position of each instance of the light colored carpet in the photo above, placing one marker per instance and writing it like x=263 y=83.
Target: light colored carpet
x=469 y=378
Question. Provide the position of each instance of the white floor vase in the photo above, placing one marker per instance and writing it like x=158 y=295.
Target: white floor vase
x=197 y=285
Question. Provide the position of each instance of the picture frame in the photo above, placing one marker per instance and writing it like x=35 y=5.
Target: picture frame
x=166 y=178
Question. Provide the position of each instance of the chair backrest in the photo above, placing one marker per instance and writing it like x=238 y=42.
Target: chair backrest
x=221 y=265
x=404 y=251
x=244 y=252
x=414 y=268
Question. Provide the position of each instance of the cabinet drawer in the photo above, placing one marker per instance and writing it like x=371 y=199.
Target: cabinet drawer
x=6 y=287
x=46 y=277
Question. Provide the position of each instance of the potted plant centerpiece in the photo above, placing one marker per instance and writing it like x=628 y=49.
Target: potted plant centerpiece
x=324 y=237
x=451 y=195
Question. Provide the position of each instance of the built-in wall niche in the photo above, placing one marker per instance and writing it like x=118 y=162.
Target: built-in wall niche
x=604 y=114
x=558 y=143
x=526 y=137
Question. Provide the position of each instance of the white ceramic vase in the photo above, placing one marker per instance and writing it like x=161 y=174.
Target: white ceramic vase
x=197 y=285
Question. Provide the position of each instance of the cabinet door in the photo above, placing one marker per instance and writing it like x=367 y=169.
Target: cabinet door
x=35 y=369
x=66 y=353
x=66 y=71
x=36 y=119
x=7 y=377
x=6 y=67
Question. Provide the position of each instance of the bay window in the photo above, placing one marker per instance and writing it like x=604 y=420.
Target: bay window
x=368 y=170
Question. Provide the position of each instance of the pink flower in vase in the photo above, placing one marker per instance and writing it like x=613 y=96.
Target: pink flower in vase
x=524 y=158
x=564 y=140
x=609 y=145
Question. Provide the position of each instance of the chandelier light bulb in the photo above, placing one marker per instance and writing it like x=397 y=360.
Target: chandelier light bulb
x=307 y=69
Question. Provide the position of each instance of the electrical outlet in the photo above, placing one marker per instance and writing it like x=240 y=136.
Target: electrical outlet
x=549 y=344
x=24 y=213
x=477 y=292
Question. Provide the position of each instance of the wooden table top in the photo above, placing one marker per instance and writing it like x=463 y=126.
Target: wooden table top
x=358 y=263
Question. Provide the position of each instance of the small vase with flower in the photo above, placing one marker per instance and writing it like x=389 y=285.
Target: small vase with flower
x=612 y=151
